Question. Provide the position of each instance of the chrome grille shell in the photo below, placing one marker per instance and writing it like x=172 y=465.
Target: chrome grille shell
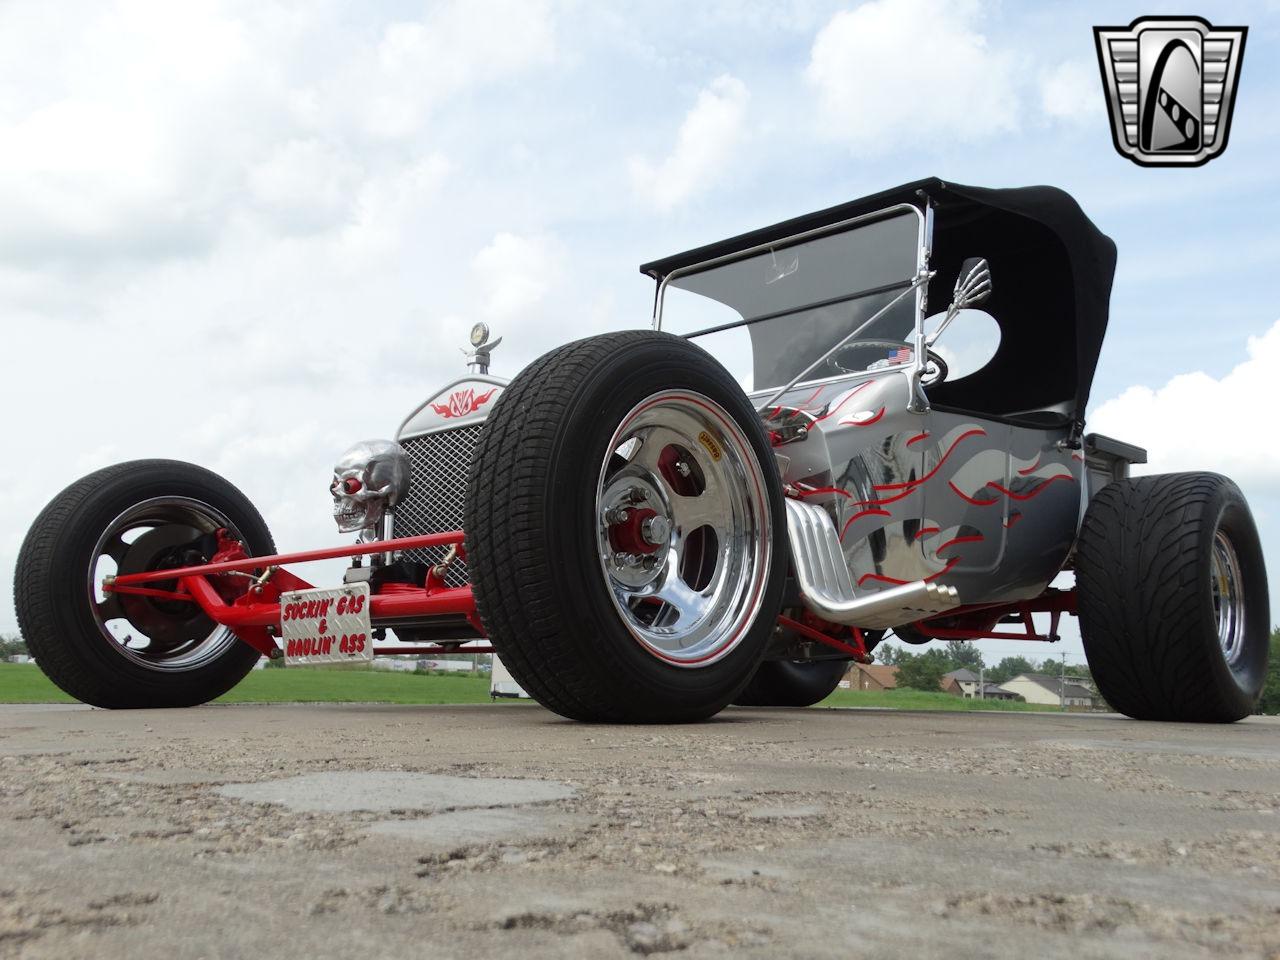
x=437 y=491
x=440 y=437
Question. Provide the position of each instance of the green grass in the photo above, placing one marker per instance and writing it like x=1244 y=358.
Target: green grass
x=921 y=700
x=23 y=683
x=317 y=684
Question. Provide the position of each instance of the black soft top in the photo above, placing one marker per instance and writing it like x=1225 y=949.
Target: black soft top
x=1051 y=268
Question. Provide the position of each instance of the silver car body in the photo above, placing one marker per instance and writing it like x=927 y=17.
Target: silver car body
x=902 y=494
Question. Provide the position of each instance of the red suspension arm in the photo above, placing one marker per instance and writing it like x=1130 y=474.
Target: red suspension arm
x=254 y=615
x=282 y=559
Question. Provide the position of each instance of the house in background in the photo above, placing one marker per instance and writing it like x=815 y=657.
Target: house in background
x=1046 y=689
x=870 y=676
x=966 y=683
x=962 y=683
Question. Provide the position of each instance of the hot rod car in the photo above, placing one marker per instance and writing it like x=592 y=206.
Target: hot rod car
x=642 y=535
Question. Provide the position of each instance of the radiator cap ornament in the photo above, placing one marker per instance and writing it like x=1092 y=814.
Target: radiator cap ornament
x=478 y=356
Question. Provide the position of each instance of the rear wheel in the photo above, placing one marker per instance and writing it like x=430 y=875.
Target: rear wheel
x=625 y=531
x=1173 y=598
x=121 y=650
x=792 y=683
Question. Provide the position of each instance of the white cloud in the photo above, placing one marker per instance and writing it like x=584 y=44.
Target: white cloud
x=1198 y=422
x=706 y=141
x=193 y=191
x=516 y=273
x=305 y=184
x=1070 y=91
x=421 y=64
x=140 y=130
x=111 y=120
x=890 y=71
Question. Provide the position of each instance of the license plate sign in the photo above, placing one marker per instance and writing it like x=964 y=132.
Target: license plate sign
x=326 y=626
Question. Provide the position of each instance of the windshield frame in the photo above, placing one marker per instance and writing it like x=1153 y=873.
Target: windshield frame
x=924 y=240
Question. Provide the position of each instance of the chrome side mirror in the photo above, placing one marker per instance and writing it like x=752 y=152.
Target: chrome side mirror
x=973 y=286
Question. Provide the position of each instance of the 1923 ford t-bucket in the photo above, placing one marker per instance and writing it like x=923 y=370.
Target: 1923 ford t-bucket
x=643 y=537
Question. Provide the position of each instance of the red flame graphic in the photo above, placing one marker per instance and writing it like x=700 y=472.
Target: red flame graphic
x=462 y=403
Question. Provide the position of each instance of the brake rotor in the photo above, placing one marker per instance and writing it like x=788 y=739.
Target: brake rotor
x=167 y=624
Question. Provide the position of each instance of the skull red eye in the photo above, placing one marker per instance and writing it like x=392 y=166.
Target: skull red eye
x=350 y=485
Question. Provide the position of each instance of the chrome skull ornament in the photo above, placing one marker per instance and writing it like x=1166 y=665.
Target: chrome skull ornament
x=369 y=479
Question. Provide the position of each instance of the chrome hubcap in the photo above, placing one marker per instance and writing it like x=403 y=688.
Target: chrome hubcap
x=1228 y=596
x=682 y=522
x=168 y=635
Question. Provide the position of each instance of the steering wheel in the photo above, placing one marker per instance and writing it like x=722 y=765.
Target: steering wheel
x=931 y=377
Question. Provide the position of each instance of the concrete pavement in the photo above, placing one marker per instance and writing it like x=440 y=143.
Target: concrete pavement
x=397 y=831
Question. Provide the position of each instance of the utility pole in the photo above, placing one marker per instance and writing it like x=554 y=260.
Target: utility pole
x=1062 y=684
x=982 y=681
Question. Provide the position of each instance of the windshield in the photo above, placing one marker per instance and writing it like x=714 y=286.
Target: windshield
x=768 y=316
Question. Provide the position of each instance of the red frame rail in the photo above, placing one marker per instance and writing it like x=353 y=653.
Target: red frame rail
x=978 y=621
x=254 y=614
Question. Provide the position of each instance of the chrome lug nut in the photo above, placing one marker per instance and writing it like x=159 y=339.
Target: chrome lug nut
x=655 y=530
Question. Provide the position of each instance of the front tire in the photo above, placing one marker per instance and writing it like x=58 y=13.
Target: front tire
x=121 y=650
x=1173 y=598
x=625 y=531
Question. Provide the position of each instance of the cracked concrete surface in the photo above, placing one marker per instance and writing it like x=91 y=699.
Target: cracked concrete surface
x=391 y=831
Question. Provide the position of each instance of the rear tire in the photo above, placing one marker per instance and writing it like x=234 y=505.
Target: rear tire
x=137 y=516
x=575 y=467
x=792 y=683
x=1173 y=598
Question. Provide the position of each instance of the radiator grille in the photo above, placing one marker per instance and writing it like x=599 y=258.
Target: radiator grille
x=439 y=489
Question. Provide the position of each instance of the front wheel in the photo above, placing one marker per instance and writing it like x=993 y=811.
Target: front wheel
x=625 y=531
x=122 y=650
x=1173 y=598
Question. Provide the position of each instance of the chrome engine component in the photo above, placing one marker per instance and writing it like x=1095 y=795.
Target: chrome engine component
x=827 y=589
x=370 y=479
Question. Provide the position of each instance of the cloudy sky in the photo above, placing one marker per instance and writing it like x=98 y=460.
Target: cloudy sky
x=247 y=234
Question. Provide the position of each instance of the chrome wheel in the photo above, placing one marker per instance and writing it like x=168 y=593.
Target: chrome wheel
x=683 y=528
x=156 y=534
x=1227 y=586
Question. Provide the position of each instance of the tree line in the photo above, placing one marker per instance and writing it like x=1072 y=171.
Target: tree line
x=924 y=671
x=11 y=645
